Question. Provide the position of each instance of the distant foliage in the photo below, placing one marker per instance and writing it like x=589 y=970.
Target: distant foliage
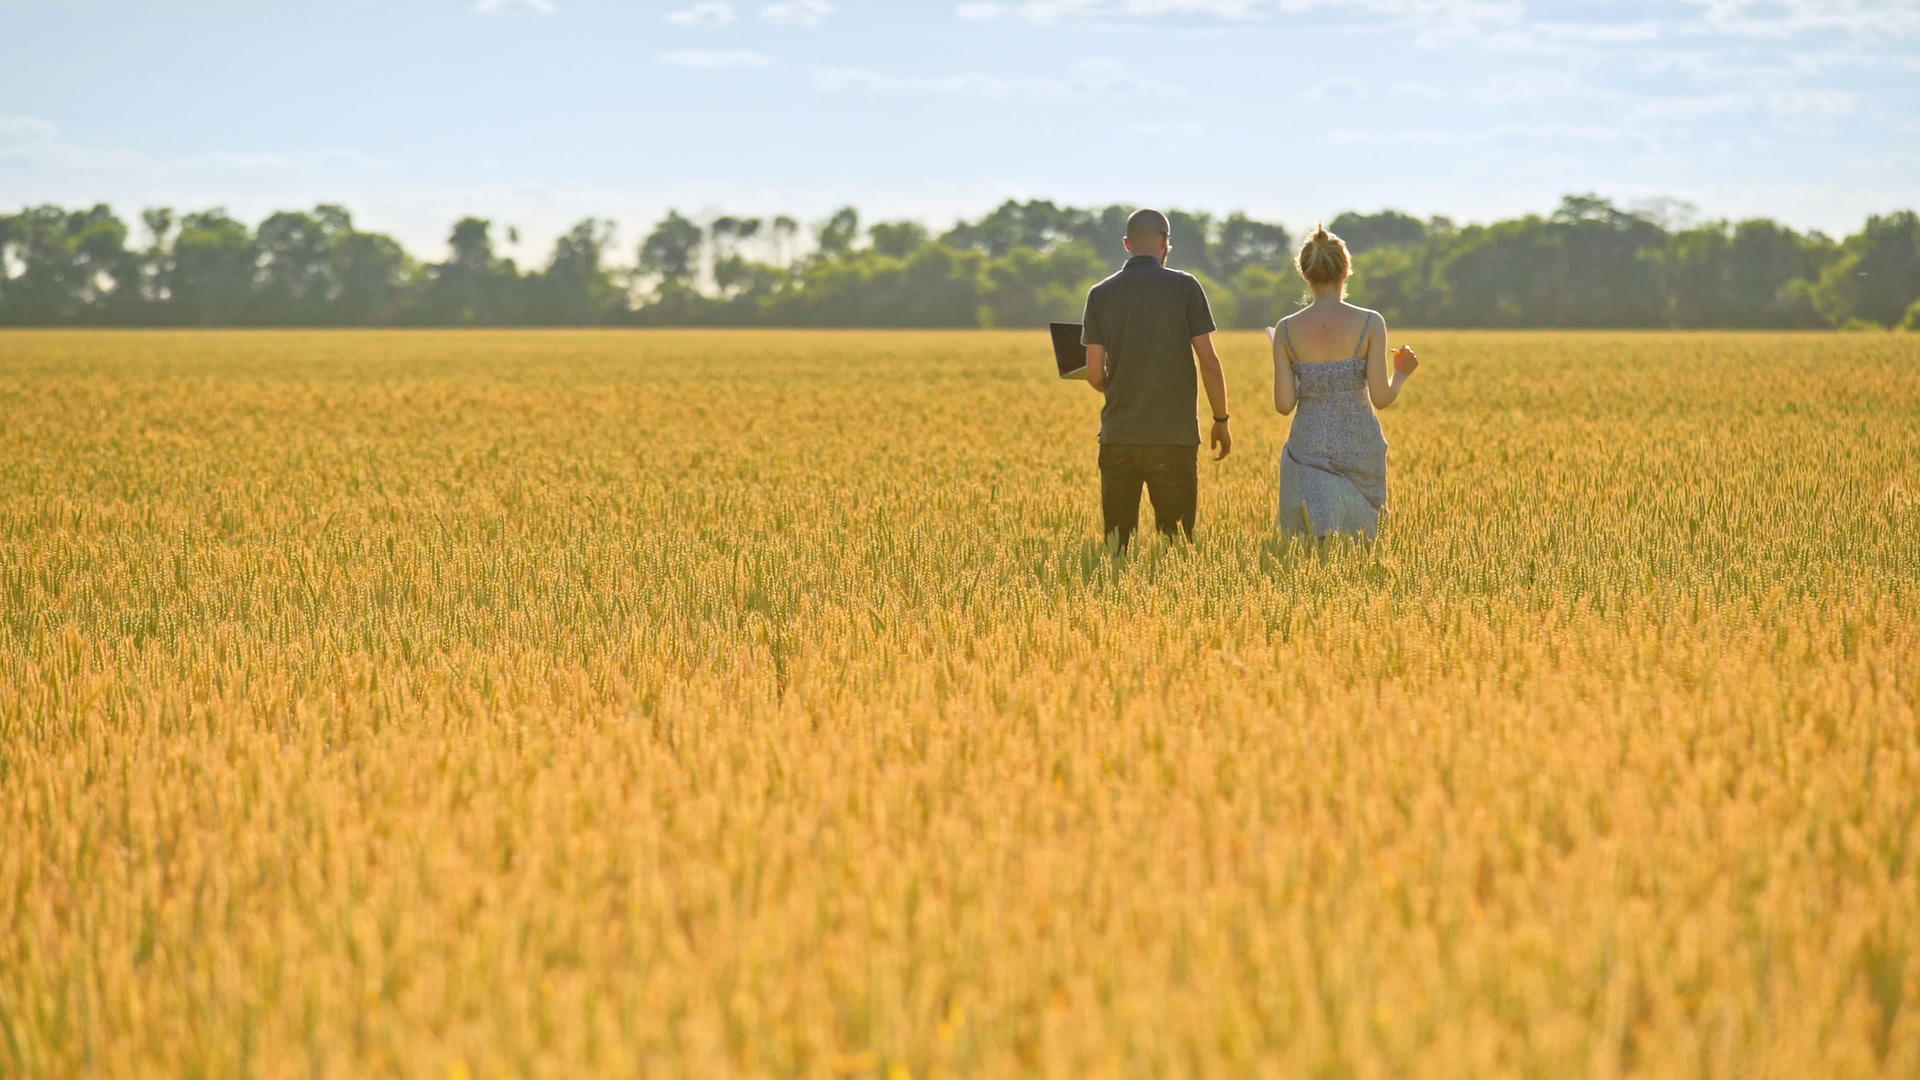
x=1588 y=264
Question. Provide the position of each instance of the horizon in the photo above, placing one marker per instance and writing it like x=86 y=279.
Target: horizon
x=939 y=112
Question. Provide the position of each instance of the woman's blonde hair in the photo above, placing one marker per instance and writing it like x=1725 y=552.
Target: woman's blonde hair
x=1324 y=259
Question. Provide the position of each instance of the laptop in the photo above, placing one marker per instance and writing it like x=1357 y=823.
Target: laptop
x=1068 y=354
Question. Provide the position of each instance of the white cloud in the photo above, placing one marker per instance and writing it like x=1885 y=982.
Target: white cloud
x=797 y=12
x=1103 y=74
x=1509 y=32
x=1169 y=131
x=1691 y=107
x=715 y=58
x=1598 y=32
x=1500 y=133
x=1498 y=24
x=1047 y=12
x=514 y=7
x=1811 y=104
x=1796 y=104
x=705 y=13
x=288 y=159
x=973 y=82
x=65 y=158
x=28 y=125
x=1340 y=86
x=70 y=158
x=1781 y=19
x=1523 y=87
x=1815 y=62
x=1087 y=77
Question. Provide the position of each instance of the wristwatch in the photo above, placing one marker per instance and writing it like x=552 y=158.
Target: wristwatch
x=1219 y=419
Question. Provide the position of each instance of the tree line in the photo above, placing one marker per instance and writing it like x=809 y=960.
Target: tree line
x=1590 y=263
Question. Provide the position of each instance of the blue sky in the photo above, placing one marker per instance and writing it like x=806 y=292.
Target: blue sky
x=539 y=112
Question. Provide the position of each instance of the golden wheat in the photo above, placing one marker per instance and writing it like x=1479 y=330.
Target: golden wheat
x=705 y=704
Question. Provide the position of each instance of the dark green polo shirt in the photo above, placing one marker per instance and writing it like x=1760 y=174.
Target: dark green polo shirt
x=1147 y=317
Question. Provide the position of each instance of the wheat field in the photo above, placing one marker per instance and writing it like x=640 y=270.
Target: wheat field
x=704 y=704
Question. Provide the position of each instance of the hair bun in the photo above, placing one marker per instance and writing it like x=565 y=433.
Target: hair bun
x=1323 y=258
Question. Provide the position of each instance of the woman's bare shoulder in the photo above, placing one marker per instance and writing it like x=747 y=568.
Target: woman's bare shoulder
x=1370 y=319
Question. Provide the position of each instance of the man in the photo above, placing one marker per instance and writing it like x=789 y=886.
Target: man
x=1142 y=329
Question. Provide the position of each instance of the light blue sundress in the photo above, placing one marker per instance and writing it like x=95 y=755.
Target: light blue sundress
x=1333 y=470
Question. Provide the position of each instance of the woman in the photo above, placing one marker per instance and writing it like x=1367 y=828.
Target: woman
x=1330 y=359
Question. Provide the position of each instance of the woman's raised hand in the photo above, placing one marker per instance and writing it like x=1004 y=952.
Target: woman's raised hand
x=1404 y=361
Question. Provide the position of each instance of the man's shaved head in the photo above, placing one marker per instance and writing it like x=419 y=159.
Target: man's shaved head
x=1145 y=229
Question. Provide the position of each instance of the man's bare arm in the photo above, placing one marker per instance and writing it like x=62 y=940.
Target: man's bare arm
x=1097 y=367
x=1215 y=380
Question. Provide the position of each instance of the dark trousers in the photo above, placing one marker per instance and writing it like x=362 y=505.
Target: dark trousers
x=1171 y=474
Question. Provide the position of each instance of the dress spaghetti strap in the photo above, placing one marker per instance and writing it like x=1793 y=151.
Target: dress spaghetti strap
x=1366 y=329
x=1287 y=343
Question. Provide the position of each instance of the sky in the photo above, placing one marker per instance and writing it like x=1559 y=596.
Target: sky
x=537 y=113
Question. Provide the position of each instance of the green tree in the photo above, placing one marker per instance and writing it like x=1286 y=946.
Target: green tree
x=898 y=238
x=1877 y=276
x=857 y=289
x=671 y=252
x=724 y=232
x=1505 y=274
x=1102 y=229
x=1192 y=242
x=943 y=287
x=1031 y=288
x=836 y=235
x=1764 y=260
x=1589 y=263
x=575 y=289
x=1245 y=242
x=474 y=286
x=72 y=266
x=1741 y=275
x=1224 y=303
x=46 y=288
x=375 y=279
x=726 y=238
x=213 y=270
x=1382 y=229
x=1590 y=240
x=1035 y=225
x=157 y=259
x=109 y=271
x=1399 y=282
x=294 y=282
x=1264 y=294
x=1700 y=276
x=782 y=231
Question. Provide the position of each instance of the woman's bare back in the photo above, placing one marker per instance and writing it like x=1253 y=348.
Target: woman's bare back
x=1321 y=333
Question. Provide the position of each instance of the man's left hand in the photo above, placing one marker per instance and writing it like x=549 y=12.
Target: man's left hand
x=1222 y=440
